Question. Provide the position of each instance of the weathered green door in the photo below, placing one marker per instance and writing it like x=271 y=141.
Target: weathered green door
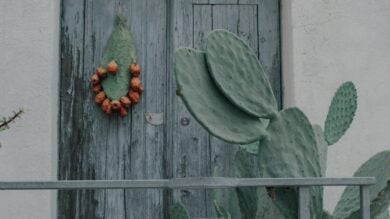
x=159 y=139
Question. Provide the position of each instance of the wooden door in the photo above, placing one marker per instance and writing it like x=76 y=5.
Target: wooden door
x=94 y=146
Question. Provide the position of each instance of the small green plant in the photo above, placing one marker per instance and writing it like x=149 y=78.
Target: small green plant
x=226 y=90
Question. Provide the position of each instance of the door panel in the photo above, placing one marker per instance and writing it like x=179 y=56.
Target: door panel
x=94 y=146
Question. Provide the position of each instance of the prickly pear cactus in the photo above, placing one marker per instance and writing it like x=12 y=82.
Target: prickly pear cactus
x=120 y=48
x=322 y=146
x=266 y=207
x=289 y=150
x=208 y=105
x=226 y=198
x=178 y=211
x=221 y=212
x=238 y=74
x=245 y=166
x=327 y=215
x=349 y=204
x=252 y=148
x=341 y=112
x=227 y=91
x=253 y=202
x=384 y=215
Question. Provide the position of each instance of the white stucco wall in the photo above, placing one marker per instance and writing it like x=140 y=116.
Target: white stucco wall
x=326 y=43
x=29 y=36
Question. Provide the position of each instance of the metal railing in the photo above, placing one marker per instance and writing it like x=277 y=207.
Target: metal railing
x=303 y=185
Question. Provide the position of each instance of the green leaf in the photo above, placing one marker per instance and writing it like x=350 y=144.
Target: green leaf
x=120 y=47
x=322 y=146
x=221 y=212
x=290 y=150
x=238 y=74
x=178 y=211
x=208 y=105
x=341 y=112
x=377 y=166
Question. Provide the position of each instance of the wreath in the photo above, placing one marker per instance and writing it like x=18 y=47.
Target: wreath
x=117 y=85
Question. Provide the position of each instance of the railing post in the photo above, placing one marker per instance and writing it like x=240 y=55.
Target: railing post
x=365 y=202
x=304 y=202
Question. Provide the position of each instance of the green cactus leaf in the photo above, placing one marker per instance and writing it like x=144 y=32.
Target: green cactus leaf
x=221 y=212
x=377 y=166
x=120 y=47
x=266 y=207
x=207 y=104
x=341 y=112
x=252 y=148
x=178 y=211
x=253 y=202
x=327 y=215
x=322 y=146
x=238 y=74
x=226 y=197
x=384 y=215
x=245 y=166
x=290 y=150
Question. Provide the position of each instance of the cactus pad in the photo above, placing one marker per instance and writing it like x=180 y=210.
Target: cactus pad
x=341 y=112
x=238 y=74
x=178 y=211
x=266 y=207
x=289 y=150
x=221 y=212
x=377 y=166
x=384 y=215
x=207 y=104
x=322 y=146
x=245 y=166
x=251 y=148
x=120 y=47
x=327 y=215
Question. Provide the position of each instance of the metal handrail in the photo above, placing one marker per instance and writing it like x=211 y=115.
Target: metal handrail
x=303 y=185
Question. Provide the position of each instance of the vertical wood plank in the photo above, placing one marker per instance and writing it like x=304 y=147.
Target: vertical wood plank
x=247 y=26
x=72 y=34
x=181 y=25
x=145 y=158
x=100 y=18
x=269 y=44
x=202 y=20
x=101 y=144
x=72 y=53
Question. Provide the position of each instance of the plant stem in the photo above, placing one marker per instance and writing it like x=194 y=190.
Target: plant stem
x=7 y=121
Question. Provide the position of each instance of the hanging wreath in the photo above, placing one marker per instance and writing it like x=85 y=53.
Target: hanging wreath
x=116 y=82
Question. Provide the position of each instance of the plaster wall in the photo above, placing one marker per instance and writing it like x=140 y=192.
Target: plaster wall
x=326 y=43
x=29 y=44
